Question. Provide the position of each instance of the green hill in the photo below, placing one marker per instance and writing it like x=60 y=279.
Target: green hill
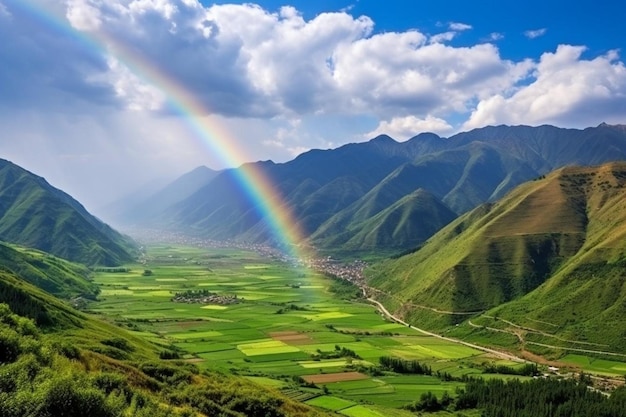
x=552 y=251
x=407 y=222
x=59 y=277
x=37 y=215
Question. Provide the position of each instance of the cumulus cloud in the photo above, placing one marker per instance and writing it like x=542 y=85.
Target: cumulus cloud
x=244 y=61
x=532 y=34
x=565 y=90
x=402 y=128
x=442 y=37
x=256 y=70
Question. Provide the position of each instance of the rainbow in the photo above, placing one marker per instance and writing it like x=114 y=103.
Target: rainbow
x=209 y=132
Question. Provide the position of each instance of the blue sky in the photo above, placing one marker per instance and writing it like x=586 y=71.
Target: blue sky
x=280 y=78
x=597 y=24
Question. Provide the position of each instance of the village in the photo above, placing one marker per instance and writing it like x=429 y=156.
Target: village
x=205 y=297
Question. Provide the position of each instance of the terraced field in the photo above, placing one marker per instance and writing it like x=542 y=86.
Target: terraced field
x=283 y=325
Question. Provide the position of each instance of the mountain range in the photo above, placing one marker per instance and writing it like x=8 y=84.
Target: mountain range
x=380 y=194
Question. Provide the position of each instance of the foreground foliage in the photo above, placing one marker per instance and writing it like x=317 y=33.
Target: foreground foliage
x=42 y=375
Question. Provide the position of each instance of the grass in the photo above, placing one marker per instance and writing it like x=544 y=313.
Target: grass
x=330 y=403
x=601 y=366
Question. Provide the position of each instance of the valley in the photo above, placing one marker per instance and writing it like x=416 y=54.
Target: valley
x=312 y=209
x=247 y=316
x=311 y=336
x=290 y=324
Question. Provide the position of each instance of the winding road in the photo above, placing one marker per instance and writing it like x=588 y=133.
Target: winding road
x=502 y=355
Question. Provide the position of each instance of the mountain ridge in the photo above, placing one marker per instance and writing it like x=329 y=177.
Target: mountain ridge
x=463 y=171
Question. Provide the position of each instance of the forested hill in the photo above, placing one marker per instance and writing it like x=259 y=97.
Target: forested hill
x=35 y=214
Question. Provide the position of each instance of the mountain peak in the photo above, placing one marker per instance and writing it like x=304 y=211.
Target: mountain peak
x=383 y=139
x=617 y=126
x=424 y=136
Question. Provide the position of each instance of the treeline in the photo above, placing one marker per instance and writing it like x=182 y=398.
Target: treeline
x=539 y=398
x=291 y=307
x=339 y=352
x=403 y=366
x=342 y=288
x=118 y=270
x=528 y=369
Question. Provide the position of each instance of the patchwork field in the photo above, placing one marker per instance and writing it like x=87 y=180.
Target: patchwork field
x=280 y=325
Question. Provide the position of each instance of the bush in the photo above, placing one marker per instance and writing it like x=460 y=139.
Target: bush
x=9 y=346
x=66 y=398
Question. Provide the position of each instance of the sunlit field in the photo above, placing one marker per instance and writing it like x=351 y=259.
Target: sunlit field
x=284 y=322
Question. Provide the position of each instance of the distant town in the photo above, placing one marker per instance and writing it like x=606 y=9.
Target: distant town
x=351 y=272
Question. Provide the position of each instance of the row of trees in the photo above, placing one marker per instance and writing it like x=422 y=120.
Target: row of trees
x=403 y=366
x=528 y=369
x=539 y=398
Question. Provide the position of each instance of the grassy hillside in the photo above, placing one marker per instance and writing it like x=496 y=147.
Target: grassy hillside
x=59 y=277
x=113 y=374
x=35 y=214
x=407 y=222
x=552 y=250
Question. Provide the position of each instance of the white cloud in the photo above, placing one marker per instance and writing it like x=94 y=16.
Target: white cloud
x=83 y=15
x=402 y=128
x=459 y=27
x=532 y=34
x=442 y=37
x=243 y=61
x=135 y=93
x=566 y=90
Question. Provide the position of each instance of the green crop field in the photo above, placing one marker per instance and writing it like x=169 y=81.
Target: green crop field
x=330 y=403
x=601 y=366
x=283 y=324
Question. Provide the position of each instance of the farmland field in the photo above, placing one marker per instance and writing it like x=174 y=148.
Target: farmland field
x=279 y=325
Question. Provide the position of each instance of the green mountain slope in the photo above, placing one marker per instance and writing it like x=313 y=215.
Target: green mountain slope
x=57 y=276
x=37 y=215
x=552 y=250
x=408 y=222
